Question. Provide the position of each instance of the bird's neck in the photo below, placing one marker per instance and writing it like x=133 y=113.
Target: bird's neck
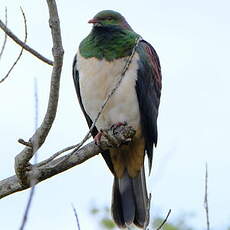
x=109 y=43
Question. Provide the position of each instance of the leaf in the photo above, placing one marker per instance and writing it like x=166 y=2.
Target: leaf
x=94 y=211
x=107 y=223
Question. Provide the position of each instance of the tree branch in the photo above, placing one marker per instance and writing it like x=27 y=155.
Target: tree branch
x=23 y=158
x=5 y=38
x=76 y=216
x=164 y=221
x=20 y=54
x=32 y=190
x=23 y=44
x=206 y=197
x=38 y=173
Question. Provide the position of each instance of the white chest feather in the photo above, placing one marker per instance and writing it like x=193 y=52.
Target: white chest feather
x=97 y=78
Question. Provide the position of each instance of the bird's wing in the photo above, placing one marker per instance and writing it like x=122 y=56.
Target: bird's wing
x=94 y=132
x=148 y=89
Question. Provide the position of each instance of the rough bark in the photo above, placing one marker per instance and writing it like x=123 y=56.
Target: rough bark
x=41 y=172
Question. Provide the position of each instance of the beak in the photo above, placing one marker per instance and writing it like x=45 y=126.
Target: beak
x=93 y=21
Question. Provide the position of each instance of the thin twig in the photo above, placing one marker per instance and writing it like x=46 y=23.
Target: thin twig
x=88 y=135
x=22 y=44
x=20 y=54
x=206 y=197
x=33 y=181
x=5 y=38
x=165 y=220
x=76 y=216
x=23 y=142
x=55 y=155
x=28 y=205
x=36 y=115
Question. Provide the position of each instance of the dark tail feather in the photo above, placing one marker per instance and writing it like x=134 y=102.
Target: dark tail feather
x=123 y=203
x=129 y=201
x=127 y=198
x=141 y=199
x=116 y=205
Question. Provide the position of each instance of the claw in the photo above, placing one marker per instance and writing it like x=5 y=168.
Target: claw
x=118 y=124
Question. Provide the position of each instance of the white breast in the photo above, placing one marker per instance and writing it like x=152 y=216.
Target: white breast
x=97 y=78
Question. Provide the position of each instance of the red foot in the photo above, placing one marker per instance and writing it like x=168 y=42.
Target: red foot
x=116 y=125
x=97 y=138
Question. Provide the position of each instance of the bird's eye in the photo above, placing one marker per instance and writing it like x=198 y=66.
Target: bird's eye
x=109 y=18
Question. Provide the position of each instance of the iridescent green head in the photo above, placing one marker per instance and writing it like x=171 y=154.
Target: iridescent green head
x=109 y=19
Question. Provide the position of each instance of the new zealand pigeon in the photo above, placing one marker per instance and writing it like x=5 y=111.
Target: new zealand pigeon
x=97 y=67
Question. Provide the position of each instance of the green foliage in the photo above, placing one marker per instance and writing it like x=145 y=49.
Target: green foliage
x=103 y=218
x=94 y=211
x=107 y=223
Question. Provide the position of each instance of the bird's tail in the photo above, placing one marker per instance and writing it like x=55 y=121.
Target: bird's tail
x=129 y=200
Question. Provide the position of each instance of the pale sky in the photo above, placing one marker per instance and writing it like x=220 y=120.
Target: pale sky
x=192 y=41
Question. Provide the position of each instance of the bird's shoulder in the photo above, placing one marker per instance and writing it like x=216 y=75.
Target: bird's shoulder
x=150 y=62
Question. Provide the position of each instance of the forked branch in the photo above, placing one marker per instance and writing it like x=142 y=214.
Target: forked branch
x=20 y=54
x=23 y=158
x=5 y=38
x=39 y=173
x=7 y=31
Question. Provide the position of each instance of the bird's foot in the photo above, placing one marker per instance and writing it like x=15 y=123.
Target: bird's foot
x=117 y=125
x=97 y=138
x=115 y=128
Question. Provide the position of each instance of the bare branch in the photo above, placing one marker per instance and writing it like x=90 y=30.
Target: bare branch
x=165 y=220
x=20 y=54
x=28 y=205
x=23 y=142
x=23 y=158
x=206 y=197
x=22 y=44
x=55 y=155
x=5 y=38
x=40 y=173
x=76 y=216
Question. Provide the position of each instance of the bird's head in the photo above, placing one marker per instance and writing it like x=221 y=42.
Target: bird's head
x=109 y=19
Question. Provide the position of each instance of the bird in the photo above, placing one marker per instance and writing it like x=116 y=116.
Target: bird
x=97 y=66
